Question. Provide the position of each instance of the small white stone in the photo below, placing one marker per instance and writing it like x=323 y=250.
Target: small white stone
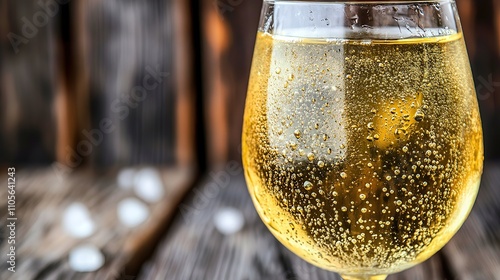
x=86 y=258
x=125 y=178
x=148 y=185
x=229 y=220
x=77 y=221
x=132 y=212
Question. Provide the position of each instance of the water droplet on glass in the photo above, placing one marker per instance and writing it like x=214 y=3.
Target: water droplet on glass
x=310 y=156
x=308 y=185
x=419 y=116
x=278 y=70
x=343 y=175
x=321 y=164
x=371 y=126
x=362 y=196
x=297 y=134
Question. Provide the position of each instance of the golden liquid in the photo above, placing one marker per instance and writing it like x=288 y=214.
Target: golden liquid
x=362 y=157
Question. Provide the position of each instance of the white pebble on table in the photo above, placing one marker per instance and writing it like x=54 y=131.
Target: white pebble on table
x=148 y=185
x=132 y=212
x=86 y=258
x=77 y=221
x=229 y=220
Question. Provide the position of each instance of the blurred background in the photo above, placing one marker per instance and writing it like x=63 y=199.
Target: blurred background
x=162 y=83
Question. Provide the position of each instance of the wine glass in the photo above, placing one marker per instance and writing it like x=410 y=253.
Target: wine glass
x=362 y=140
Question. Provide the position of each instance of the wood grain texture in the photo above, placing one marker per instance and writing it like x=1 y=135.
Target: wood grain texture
x=194 y=249
x=42 y=245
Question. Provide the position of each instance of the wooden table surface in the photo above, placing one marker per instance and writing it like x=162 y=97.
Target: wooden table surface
x=181 y=241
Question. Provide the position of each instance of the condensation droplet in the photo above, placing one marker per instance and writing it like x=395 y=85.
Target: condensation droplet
x=419 y=116
x=308 y=185
x=362 y=196
x=321 y=164
x=343 y=175
x=310 y=156
x=405 y=149
x=297 y=134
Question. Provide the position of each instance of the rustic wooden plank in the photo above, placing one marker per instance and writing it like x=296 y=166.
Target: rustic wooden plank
x=135 y=61
x=474 y=253
x=194 y=249
x=42 y=244
x=27 y=83
x=229 y=29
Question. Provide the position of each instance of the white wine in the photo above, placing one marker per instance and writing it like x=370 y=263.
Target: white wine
x=362 y=157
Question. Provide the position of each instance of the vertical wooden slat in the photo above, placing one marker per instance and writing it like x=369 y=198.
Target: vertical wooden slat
x=467 y=16
x=135 y=63
x=185 y=87
x=72 y=88
x=27 y=83
x=229 y=30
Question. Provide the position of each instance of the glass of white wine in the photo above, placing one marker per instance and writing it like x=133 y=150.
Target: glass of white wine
x=362 y=140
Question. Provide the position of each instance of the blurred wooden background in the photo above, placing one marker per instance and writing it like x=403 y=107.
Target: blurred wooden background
x=85 y=63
